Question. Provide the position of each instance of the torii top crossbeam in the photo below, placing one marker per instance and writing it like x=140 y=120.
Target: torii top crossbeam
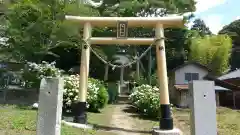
x=122 y=24
x=171 y=21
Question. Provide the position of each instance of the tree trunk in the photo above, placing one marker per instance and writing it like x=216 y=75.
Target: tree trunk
x=142 y=67
x=138 y=69
x=150 y=67
x=106 y=72
x=137 y=65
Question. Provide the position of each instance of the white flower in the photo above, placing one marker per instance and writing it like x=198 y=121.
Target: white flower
x=69 y=102
x=145 y=110
x=75 y=99
x=35 y=105
x=70 y=94
x=87 y=105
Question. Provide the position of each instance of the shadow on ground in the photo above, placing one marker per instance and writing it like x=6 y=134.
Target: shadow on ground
x=136 y=114
x=108 y=128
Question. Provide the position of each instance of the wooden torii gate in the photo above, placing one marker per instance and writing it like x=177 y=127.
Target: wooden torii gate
x=122 y=23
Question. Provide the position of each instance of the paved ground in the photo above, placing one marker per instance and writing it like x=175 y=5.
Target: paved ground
x=123 y=120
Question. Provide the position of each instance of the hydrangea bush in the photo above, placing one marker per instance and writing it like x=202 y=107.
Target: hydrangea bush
x=146 y=99
x=97 y=96
x=70 y=93
x=33 y=73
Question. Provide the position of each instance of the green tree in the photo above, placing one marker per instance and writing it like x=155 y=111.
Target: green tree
x=35 y=27
x=29 y=29
x=233 y=30
x=201 y=27
x=213 y=51
x=145 y=7
x=129 y=8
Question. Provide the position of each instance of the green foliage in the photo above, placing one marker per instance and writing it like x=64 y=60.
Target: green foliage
x=112 y=92
x=29 y=28
x=129 y=8
x=177 y=46
x=201 y=27
x=97 y=96
x=44 y=29
x=33 y=73
x=146 y=99
x=233 y=30
x=36 y=27
x=145 y=7
x=144 y=80
x=103 y=97
x=212 y=51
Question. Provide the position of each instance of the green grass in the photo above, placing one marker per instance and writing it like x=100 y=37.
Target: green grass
x=16 y=120
x=228 y=120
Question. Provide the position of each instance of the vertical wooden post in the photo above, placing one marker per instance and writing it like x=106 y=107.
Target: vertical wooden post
x=150 y=67
x=166 y=120
x=217 y=98
x=87 y=33
x=80 y=107
x=137 y=64
x=121 y=78
x=106 y=72
x=234 y=100
x=119 y=87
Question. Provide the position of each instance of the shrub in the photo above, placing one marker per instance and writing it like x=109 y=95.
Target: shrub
x=97 y=96
x=33 y=73
x=112 y=92
x=145 y=79
x=146 y=99
x=70 y=93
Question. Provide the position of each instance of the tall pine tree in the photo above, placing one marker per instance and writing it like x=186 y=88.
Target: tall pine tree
x=200 y=26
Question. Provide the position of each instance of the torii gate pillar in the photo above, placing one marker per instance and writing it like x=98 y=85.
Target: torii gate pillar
x=159 y=23
x=166 y=120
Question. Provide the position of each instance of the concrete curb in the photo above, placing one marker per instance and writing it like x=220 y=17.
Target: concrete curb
x=77 y=125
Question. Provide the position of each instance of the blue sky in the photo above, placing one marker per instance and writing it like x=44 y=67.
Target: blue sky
x=217 y=13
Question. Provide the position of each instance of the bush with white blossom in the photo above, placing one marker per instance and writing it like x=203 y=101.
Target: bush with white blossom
x=97 y=96
x=70 y=93
x=146 y=99
x=33 y=73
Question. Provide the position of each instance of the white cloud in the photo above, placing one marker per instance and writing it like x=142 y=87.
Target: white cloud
x=204 y=5
x=237 y=18
x=214 y=22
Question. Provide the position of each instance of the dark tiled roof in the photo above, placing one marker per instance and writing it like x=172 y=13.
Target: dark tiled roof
x=231 y=74
x=235 y=81
x=194 y=63
x=227 y=83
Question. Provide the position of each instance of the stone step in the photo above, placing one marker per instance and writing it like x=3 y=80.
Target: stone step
x=123 y=97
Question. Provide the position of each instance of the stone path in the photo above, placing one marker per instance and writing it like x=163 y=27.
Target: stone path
x=122 y=120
